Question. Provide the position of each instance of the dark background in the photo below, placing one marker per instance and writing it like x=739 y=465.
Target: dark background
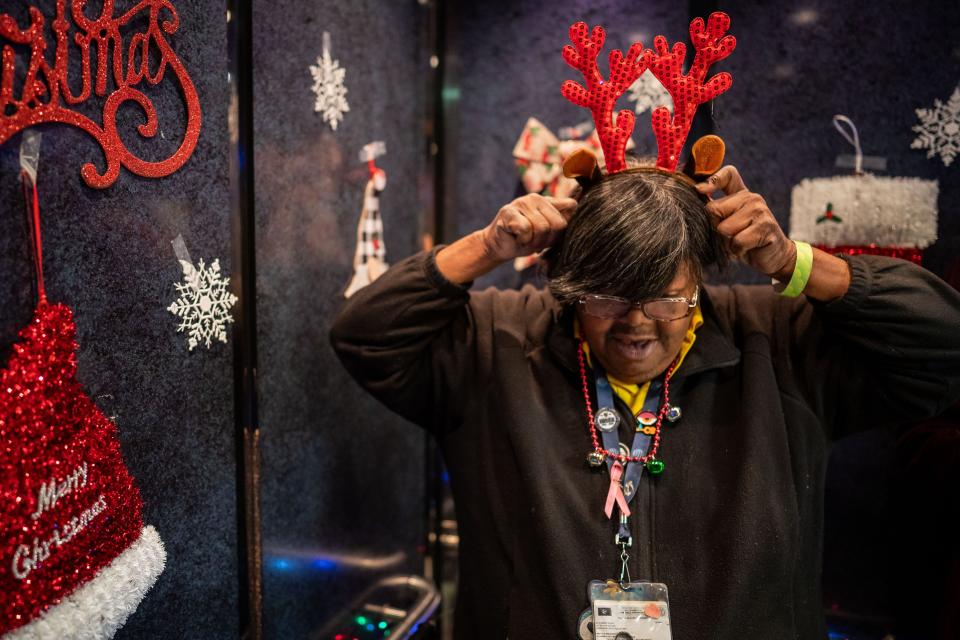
x=343 y=484
x=343 y=481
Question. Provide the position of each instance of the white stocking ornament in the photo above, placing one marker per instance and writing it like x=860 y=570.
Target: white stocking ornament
x=864 y=213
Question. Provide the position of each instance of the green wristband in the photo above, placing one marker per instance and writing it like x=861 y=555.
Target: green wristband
x=801 y=272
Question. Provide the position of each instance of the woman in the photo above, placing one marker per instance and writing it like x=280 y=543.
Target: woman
x=733 y=524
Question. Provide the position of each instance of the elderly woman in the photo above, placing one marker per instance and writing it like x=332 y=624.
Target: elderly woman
x=729 y=513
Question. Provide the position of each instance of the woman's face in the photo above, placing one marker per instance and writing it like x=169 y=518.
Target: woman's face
x=634 y=348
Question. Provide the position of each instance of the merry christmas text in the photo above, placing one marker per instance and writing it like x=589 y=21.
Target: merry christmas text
x=29 y=557
x=51 y=490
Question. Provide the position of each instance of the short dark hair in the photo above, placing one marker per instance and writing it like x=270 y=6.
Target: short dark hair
x=630 y=235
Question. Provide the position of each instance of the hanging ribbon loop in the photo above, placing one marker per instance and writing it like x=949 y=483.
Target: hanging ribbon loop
x=29 y=165
x=852 y=137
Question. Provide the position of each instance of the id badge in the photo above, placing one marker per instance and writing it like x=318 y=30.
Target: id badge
x=635 y=611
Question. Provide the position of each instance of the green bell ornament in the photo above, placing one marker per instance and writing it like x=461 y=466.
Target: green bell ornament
x=654 y=467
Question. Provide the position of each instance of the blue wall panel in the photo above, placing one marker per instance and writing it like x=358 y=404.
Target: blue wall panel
x=343 y=479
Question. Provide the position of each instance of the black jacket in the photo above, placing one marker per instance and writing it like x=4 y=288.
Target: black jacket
x=734 y=524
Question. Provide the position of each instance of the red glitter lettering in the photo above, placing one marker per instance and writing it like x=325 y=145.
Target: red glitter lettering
x=46 y=96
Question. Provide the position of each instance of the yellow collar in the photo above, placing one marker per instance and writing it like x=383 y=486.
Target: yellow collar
x=634 y=394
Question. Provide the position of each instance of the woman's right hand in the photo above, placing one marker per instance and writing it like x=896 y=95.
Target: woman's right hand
x=527 y=225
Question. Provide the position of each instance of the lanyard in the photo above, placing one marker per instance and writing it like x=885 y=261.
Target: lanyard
x=624 y=481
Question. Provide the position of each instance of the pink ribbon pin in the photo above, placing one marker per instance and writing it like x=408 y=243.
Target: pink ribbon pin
x=615 y=494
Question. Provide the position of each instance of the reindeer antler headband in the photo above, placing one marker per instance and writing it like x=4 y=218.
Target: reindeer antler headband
x=688 y=91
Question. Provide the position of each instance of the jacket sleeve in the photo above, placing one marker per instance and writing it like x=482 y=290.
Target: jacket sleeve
x=887 y=352
x=409 y=339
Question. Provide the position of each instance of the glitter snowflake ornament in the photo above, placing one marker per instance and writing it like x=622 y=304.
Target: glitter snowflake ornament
x=647 y=93
x=939 y=129
x=328 y=86
x=204 y=301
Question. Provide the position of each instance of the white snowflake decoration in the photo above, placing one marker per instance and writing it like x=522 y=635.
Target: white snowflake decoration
x=328 y=86
x=204 y=303
x=648 y=94
x=939 y=129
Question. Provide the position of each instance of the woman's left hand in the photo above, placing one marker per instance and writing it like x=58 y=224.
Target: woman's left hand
x=743 y=217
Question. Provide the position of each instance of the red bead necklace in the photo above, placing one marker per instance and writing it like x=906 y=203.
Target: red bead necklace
x=616 y=455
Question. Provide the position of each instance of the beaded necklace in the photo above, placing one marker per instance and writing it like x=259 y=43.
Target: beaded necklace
x=599 y=453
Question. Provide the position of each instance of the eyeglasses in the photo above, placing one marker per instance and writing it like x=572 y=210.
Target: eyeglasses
x=663 y=309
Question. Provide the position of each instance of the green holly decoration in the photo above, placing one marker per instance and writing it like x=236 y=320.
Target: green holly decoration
x=829 y=215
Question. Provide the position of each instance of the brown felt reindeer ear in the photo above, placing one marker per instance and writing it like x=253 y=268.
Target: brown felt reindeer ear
x=708 y=153
x=583 y=167
x=706 y=158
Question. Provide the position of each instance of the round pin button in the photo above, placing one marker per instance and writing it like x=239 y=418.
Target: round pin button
x=646 y=419
x=607 y=420
x=585 y=625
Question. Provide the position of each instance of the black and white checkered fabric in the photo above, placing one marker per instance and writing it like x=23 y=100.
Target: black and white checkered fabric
x=371 y=238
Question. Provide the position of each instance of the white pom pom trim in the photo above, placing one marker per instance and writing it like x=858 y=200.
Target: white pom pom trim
x=885 y=211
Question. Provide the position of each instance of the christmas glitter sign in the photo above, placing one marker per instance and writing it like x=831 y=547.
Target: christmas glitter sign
x=125 y=59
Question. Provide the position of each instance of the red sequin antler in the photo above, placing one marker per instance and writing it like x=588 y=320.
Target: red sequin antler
x=600 y=96
x=688 y=91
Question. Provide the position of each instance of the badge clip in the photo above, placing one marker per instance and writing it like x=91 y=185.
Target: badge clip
x=624 y=566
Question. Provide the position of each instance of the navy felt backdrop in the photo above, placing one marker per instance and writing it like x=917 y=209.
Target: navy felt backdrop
x=343 y=478
x=108 y=255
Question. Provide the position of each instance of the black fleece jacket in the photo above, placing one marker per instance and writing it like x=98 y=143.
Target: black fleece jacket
x=734 y=524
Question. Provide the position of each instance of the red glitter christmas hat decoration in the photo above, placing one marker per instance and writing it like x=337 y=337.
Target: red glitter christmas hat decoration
x=76 y=558
x=688 y=90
